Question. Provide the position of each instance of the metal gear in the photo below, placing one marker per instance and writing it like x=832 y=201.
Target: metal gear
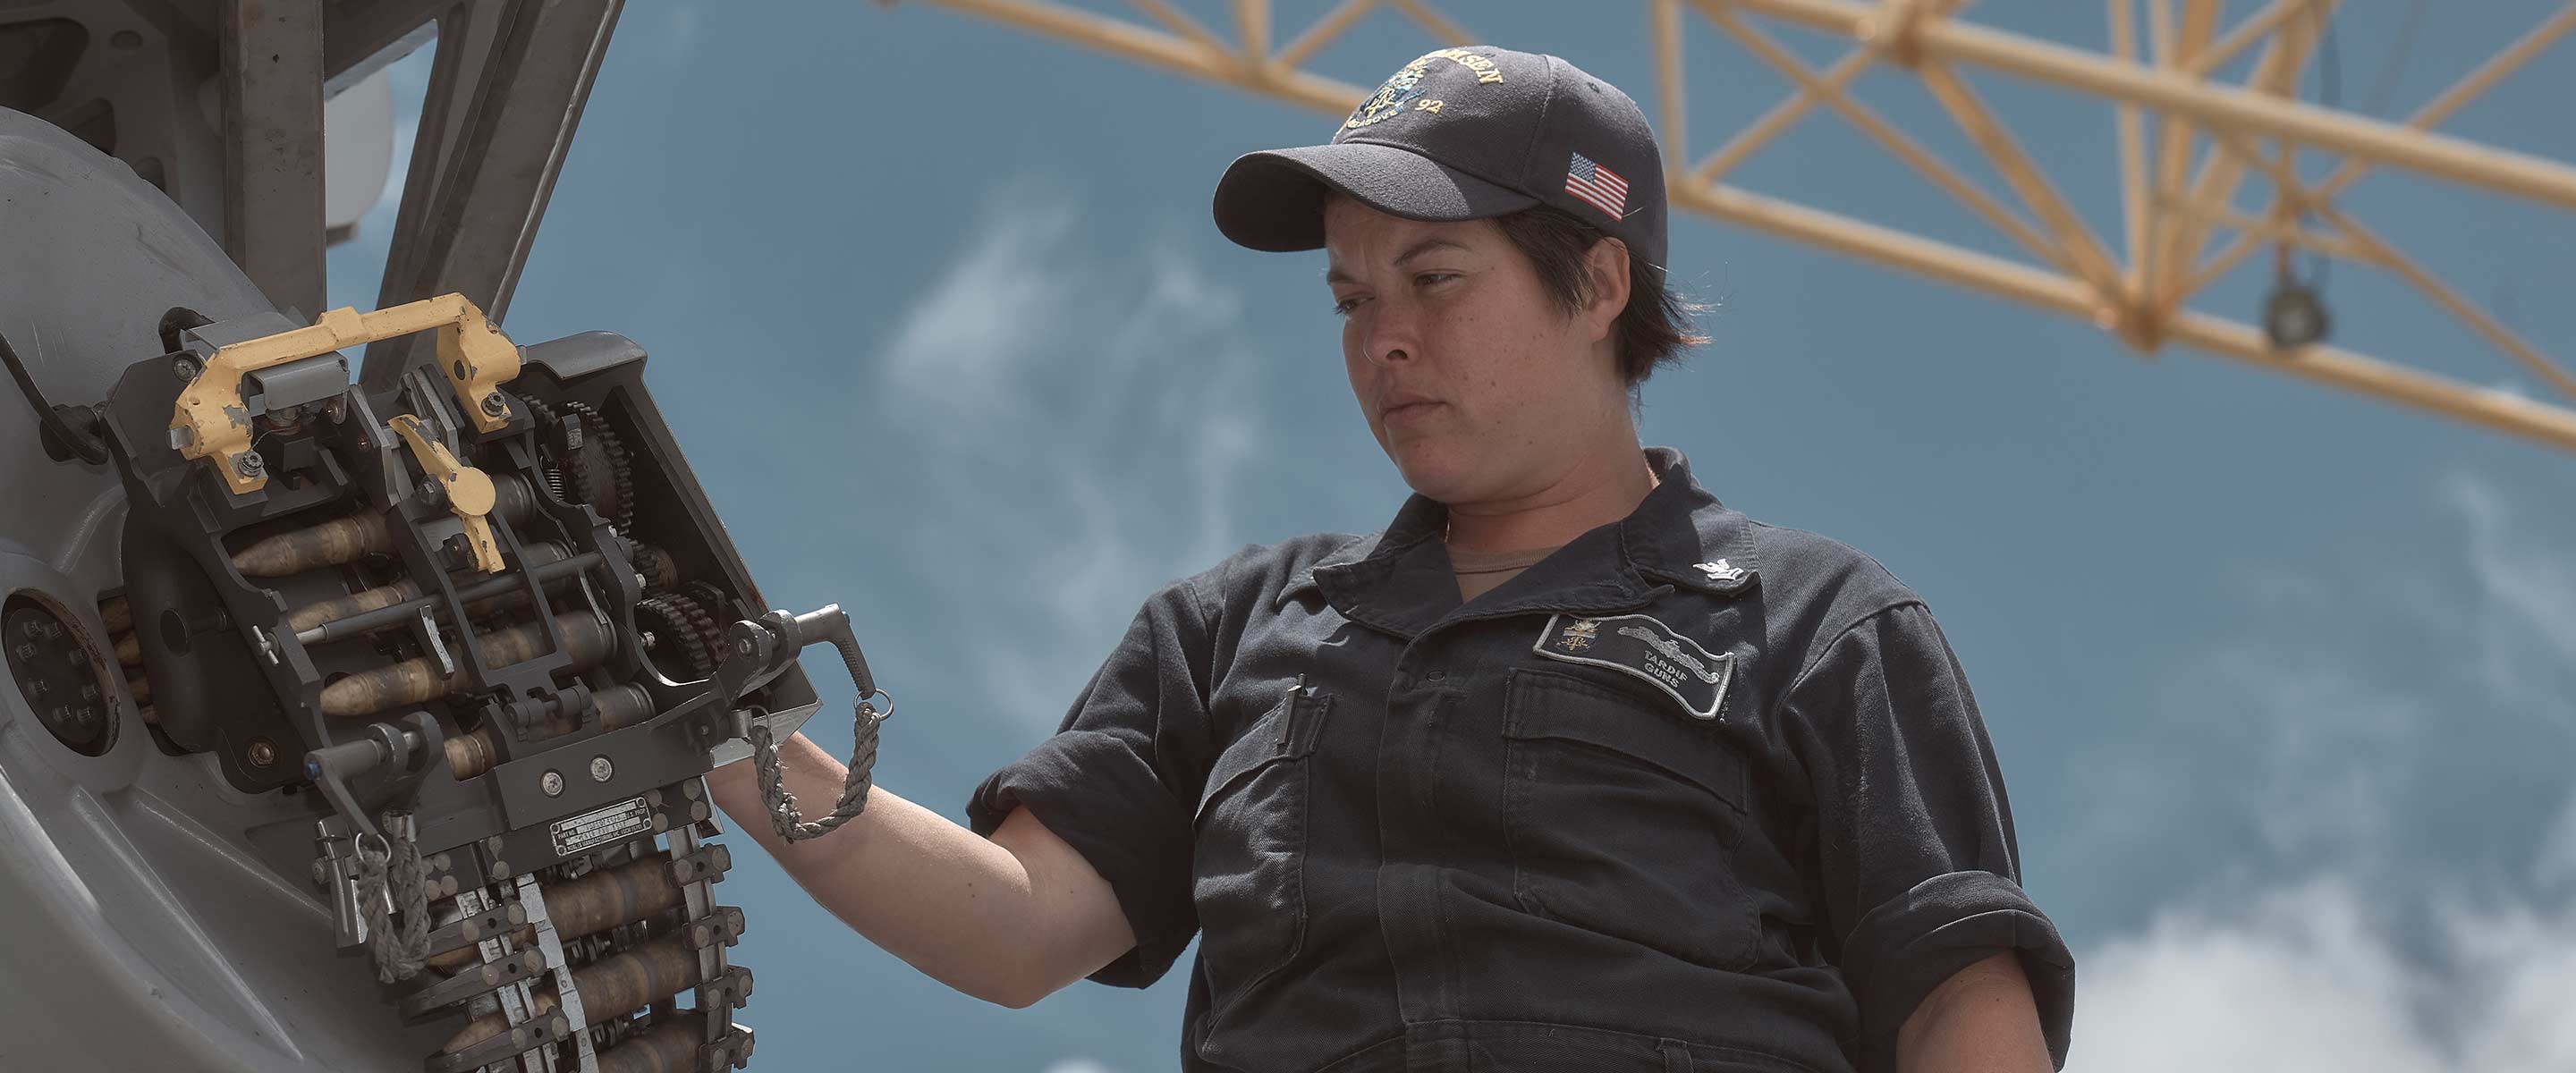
x=681 y=637
x=718 y=603
x=606 y=469
x=584 y=462
x=656 y=566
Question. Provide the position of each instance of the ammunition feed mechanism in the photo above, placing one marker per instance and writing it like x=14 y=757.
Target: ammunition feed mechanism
x=487 y=623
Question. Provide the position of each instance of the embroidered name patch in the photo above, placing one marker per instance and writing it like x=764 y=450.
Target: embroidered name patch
x=1643 y=646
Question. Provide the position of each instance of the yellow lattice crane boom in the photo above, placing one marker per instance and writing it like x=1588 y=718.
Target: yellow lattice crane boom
x=2173 y=211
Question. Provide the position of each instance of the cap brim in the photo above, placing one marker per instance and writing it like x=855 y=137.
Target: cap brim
x=1274 y=200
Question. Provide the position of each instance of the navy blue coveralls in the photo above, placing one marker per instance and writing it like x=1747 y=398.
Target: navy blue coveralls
x=1693 y=793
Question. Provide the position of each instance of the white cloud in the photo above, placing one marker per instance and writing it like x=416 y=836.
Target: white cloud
x=2309 y=977
x=2393 y=954
x=1094 y=416
x=1076 y=1065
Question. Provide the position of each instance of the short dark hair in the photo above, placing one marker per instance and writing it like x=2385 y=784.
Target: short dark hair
x=1654 y=329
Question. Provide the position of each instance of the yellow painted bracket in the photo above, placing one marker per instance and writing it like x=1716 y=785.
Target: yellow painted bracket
x=214 y=423
x=469 y=490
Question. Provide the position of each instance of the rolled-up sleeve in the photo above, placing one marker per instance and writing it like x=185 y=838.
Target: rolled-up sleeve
x=1920 y=872
x=1113 y=780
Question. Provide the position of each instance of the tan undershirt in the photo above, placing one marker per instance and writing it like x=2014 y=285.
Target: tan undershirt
x=1480 y=571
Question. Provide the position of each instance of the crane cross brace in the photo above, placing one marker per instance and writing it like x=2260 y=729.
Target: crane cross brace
x=2172 y=211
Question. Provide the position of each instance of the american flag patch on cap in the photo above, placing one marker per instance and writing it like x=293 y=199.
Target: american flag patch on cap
x=1598 y=186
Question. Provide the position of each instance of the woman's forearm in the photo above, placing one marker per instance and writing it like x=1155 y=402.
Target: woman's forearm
x=969 y=912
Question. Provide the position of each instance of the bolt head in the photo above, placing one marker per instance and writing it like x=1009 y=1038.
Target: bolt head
x=743 y=646
x=601 y=770
x=495 y=406
x=262 y=753
x=250 y=464
x=185 y=369
x=552 y=783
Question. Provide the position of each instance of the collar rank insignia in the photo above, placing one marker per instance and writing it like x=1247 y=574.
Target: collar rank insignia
x=1720 y=572
x=1643 y=646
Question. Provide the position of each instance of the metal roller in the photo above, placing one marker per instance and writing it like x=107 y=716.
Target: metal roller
x=415 y=681
x=669 y=1047
x=610 y=987
x=593 y=903
x=623 y=705
x=343 y=540
x=315 y=614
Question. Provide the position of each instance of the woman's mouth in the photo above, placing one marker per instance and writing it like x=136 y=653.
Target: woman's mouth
x=1408 y=411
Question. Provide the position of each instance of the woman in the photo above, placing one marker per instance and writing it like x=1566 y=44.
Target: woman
x=1571 y=767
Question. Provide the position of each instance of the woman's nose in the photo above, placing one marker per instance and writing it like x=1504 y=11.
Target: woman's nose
x=1390 y=338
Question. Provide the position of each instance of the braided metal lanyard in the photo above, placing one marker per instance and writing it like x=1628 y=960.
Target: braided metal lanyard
x=389 y=872
x=784 y=815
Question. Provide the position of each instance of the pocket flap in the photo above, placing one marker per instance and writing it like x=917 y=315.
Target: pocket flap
x=1288 y=731
x=1547 y=704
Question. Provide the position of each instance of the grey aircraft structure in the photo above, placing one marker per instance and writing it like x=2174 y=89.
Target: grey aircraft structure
x=359 y=715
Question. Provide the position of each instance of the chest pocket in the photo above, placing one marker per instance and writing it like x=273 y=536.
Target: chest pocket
x=1249 y=862
x=1621 y=813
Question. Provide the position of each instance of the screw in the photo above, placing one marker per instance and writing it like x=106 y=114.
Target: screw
x=600 y=769
x=35 y=630
x=250 y=464
x=495 y=406
x=89 y=691
x=743 y=646
x=551 y=782
x=262 y=753
x=37 y=687
x=186 y=368
x=26 y=650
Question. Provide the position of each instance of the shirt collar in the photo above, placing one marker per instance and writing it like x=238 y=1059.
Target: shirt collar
x=1400 y=579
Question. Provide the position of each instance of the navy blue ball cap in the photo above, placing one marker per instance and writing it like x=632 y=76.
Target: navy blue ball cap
x=1464 y=134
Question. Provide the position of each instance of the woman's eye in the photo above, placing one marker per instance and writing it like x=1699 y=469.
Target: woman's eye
x=1431 y=278
x=1343 y=307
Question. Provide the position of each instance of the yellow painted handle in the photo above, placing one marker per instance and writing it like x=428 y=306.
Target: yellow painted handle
x=214 y=422
x=469 y=490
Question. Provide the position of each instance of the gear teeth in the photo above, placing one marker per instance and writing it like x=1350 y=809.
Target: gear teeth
x=716 y=601
x=656 y=566
x=684 y=636
x=606 y=474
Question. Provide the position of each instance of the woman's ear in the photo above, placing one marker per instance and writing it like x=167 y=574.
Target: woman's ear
x=1605 y=265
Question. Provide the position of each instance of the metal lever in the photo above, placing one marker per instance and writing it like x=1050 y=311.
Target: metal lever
x=468 y=490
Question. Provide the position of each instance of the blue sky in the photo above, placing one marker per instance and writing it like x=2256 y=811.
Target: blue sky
x=2279 y=676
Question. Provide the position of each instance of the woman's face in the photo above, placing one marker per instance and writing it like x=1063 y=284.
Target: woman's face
x=1473 y=379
